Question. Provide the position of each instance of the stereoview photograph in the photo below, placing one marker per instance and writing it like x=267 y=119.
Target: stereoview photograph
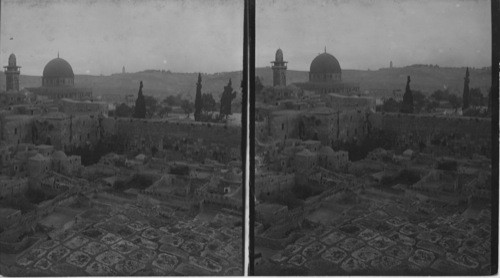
x=373 y=138
x=121 y=138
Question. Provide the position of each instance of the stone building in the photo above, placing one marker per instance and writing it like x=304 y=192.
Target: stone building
x=325 y=108
x=325 y=76
x=58 y=82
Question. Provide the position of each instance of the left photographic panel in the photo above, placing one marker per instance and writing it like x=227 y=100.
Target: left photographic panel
x=121 y=138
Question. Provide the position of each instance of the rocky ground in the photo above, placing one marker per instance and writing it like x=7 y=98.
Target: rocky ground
x=390 y=237
x=129 y=240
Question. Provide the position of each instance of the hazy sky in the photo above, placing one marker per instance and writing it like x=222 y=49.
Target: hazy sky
x=101 y=36
x=364 y=34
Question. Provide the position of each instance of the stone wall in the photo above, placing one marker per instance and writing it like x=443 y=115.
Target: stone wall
x=143 y=135
x=12 y=187
x=74 y=106
x=16 y=129
x=341 y=102
x=284 y=124
x=445 y=135
x=273 y=182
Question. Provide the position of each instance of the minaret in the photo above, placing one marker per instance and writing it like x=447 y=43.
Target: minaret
x=12 y=73
x=466 y=95
x=279 y=69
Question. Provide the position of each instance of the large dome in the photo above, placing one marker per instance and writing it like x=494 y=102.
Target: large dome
x=325 y=63
x=58 y=67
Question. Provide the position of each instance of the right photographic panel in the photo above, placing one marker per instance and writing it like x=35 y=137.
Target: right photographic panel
x=373 y=138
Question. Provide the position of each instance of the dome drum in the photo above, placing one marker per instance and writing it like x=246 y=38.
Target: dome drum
x=324 y=77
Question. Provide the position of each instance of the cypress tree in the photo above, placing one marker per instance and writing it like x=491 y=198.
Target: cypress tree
x=198 y=102
x=140 y=105
x=407 y=106
x=466 y=94
x=226 y=98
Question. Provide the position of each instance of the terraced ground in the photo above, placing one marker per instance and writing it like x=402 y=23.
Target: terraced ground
x=129 y=240
x=390 y=239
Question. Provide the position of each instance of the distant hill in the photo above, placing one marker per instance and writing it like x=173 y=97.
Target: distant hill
x=156 y=83
x=379 y=82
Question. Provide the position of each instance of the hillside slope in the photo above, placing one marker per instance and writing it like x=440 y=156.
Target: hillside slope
x=158 y=84
x=425 y=79
x=378 y=82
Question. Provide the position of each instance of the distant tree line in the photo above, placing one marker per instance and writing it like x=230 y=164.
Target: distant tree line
x=203 y=107
x=423 y=103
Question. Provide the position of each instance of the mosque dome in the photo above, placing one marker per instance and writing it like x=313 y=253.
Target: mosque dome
x=325 y=63
x=279 y=55
x=58 y=68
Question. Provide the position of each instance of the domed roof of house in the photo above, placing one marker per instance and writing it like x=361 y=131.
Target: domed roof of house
x=279 y=55
x=60 y=155
x=325 y=63
x=58 y=67
x=326 y=150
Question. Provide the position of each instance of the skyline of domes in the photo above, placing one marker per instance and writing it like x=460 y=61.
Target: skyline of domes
x=325 y=63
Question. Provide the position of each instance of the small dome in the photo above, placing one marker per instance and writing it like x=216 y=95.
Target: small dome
x=12 y=60
x=60 y=155
x=58 y=67
x=279 y=55
x=326 y=150
x=325 y=63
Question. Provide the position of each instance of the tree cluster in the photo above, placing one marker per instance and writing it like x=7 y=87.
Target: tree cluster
x=226 y=100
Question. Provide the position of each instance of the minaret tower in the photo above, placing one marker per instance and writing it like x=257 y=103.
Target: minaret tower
x=12 y=73
x=279 y=69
